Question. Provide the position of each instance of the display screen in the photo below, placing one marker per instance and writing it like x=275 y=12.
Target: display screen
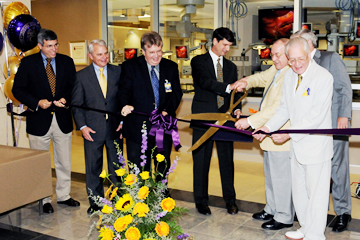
x=182 y=52
x=130 y=53
x=358 y=29
x=275 y=23
x=351 y=50
x=307 y=26
x=265 y=53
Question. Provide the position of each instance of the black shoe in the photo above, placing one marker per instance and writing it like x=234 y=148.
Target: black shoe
x=70 y=202
x=263 y=216
x=341 y=223
x=275 y=225
x=203 y=208
x=92 y=209
x=47 y=208
x=232 y=208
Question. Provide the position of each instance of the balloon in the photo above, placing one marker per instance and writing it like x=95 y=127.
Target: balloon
x=14 y=63
x=32 y=51
x=1 y=42
x=8 y=88
x=23 y=31
x=12 y=10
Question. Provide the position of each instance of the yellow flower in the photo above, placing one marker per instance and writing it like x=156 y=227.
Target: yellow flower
x=144 y=175
x=108 y=191
x=103 y=174
x=114 y=192
x=130 y=179
x=120 y=172
x=99 y=222
x=141 y=209
x=168 y=204
x=122 y=223
x=132 y=234
x=106 y=233
x=124 y=203
x=162 y=229
x=160 y=157
x=143 y=192
x=107 y=209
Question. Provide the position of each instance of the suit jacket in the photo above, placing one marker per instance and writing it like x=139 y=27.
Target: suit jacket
x=87 y=92
x=269 y=105
x=307 y=111
x=31 y=85
x=342 y=98
x=136 y=90
x=207 y=88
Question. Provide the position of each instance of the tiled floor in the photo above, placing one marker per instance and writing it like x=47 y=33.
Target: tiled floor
x=73 y=223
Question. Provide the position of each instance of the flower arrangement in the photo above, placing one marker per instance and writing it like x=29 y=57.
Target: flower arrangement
x=137 y=209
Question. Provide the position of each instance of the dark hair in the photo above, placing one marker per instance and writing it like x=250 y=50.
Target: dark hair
x=223 y=33
x=46 y=34
x=149 y=39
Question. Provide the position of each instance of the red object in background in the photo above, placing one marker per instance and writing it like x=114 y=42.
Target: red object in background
x=275 y=23
x=358 y=30
x=130 y=53
x=351 y=50
x=181 y=52
x=304 y=27
x=265 y=53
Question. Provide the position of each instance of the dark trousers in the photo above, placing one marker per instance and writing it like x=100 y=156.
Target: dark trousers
x=94 y=164
x=134 y=152
x=202 y=158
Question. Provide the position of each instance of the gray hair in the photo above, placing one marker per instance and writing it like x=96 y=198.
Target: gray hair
x=307 y=34
x=96 y=41
x=297 y=41
x=46 y=34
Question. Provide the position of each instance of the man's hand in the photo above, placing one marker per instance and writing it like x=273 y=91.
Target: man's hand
x=237 y=113
x=242 y=124
x=44 y=103
x=118 y=129
x=86 y=133
x=280 y=138
x=260 y=136
x=60 y=103
x=164 y=113
x=127 y=110
x=242 y=84
x=237 y=83
x=342 y=122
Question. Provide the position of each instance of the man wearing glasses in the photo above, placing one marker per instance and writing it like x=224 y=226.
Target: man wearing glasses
x=306 y=102
x=44 y=83
x=279 y=211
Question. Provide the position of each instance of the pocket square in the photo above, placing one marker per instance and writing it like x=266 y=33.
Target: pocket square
x=306 y=93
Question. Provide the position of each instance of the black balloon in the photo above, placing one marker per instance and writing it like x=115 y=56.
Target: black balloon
x=1 y=42
x=22 y=32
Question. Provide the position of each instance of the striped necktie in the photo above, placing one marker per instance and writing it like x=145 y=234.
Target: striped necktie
x=299 y=81
x=220 y=78
x=51 y=76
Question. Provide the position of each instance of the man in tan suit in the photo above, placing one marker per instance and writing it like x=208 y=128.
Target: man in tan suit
x=279 y=208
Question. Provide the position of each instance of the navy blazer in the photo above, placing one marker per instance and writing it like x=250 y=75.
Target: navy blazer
x=31 y=85
x=136 y=90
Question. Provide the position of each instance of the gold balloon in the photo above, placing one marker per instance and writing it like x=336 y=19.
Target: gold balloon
x=32 y=51
x=8 y=88
x=17 y=51
x=14 y=63
x=12 y=10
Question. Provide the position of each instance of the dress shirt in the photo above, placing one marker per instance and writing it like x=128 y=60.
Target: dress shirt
x=53 y=63
x=215 y=58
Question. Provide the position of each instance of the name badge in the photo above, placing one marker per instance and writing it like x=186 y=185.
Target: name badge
x=167 y=86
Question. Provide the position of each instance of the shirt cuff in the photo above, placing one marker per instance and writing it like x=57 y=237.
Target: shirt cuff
x=228 y=89
x=83 y=127
x=248 y=119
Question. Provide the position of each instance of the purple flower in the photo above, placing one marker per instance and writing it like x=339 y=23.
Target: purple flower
x=183 y=236
x=143 y=145
x=171 y=169
x=160 y=215
x=107 y=202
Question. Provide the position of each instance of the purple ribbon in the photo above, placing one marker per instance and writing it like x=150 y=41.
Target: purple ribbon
x=164 y=125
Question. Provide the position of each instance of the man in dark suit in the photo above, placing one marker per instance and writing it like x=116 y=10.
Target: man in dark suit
x=214 y=78
x=148 y=82
x=96 y=86
x=43 y=83
x=341 y=115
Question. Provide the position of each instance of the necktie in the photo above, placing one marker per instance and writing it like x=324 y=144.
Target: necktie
x=220 y=78
x=51 y=76
x=299 y=81
x=155 y=86
x=276 y=75
x=103 y=82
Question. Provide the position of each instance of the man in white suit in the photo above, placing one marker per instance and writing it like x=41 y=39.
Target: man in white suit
x=279 y=210
x=341 y=116
x=306 y=102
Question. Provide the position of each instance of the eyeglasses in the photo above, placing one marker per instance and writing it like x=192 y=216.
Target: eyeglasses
x=276 y=55
x=299 y=60
x=56 y=45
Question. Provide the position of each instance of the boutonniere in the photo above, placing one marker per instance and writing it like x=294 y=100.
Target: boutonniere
x=306 y=93
x=167 y=86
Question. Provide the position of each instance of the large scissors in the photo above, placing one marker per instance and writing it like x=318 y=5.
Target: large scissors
x=220 y=118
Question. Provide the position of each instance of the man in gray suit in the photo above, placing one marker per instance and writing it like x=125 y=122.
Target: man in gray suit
x=306 y=102
x=96 y=86
x=341 y=116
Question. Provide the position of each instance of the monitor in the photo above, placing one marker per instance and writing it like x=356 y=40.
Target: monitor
x=182 y=52
x=130 y=53
x=275 y=23
x=351 y=50
x=306 y=26
x=265 y=54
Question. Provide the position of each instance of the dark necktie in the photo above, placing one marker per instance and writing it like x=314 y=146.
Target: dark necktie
x=155 y=86
x=51 y=76
x=220 y=78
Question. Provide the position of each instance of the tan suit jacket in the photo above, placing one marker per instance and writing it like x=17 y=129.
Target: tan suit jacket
x=269 y=104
